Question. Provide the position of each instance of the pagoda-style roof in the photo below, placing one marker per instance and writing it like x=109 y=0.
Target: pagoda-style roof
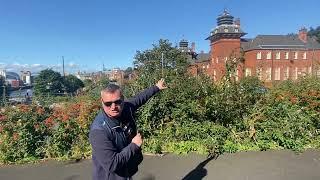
x=226 y=28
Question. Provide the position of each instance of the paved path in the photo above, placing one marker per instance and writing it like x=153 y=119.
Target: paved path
x=275 y=165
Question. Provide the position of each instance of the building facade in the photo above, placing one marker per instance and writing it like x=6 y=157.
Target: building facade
x=271 y=58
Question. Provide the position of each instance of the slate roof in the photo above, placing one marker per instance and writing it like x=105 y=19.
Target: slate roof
x=278 y=42
x=201 y=57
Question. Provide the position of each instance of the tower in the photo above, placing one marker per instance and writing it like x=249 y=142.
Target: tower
x=225 y=41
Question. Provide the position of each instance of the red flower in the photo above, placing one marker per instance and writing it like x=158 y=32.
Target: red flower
x=2 y=117
x=24 y=108
x=294 y=99
x=40 y=110
x=36 y=127
x=15 y=136
x=65 y=118
x=49 y=122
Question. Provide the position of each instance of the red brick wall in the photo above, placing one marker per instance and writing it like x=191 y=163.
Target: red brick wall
x=312 y=58
x=200 y=67
x=220 y=50
x=231 y=47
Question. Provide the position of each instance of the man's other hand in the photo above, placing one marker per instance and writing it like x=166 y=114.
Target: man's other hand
x=137 y=140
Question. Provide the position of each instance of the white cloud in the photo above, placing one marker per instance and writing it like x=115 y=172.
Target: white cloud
x=35 y=65
x=34 y=68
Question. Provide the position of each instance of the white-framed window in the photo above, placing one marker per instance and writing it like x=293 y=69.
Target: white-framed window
x=225 y=59
x=310 y=70
x=269 y=54
x=296 y=73
x=236 y=30
x=226 y=30
x=207 y=66
x=305 y=55
x=259 y=73
x=259 y=55
x=278 y=55
x=217 y=60
x=286 y=73
x=286 y=55
x=277 y=74
x=203 y=66
x=304 y=71
x=296 y=55
x=237 y=75
x=248 y=72
x=318 y=72
x=214 y=75
x=268 y=74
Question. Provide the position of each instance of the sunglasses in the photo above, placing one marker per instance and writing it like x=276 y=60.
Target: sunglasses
x=117 y=102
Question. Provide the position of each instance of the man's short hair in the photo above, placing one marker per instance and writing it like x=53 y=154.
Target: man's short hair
x=111 y=88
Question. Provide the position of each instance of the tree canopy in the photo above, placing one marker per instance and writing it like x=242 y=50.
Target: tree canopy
x=315 y=32
x=162 y=61
x=48 y=82
x=72 y=83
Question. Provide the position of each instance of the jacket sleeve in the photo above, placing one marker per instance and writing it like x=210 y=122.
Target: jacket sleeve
x=106 y=153
x=143 y=97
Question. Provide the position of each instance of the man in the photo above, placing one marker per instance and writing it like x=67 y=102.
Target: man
x=116 y=145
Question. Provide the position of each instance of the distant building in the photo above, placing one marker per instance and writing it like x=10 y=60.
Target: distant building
x=26 y=77
x=271 y=58
x=117 y=75
x=11 y=78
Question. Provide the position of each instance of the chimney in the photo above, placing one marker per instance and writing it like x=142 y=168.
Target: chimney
x=237 y=22
x=193 y=47
x=303 y=34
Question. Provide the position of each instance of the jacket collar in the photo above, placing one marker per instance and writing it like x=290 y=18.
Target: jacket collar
x=113 y=122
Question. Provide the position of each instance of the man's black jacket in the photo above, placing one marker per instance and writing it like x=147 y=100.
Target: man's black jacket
x=114 y=157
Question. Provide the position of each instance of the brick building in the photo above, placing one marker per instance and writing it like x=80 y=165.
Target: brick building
x=269 y=57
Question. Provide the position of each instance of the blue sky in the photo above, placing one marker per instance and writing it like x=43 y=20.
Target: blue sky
x=35 y=34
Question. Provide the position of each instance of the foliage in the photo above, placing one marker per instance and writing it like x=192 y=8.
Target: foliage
x=3 y=89
x=72 y=84
x=192 y=115
x=93 y=89
x=51 y=83
x=48 y=82
x=35 y=132
x=23 y=133
x=87 y=82
x=230 y=116
x=315 y=32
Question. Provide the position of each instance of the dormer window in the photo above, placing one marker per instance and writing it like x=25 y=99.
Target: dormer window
x=236 y=30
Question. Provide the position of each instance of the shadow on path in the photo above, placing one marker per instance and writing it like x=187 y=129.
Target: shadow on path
x=199 y=172
x=73 y=177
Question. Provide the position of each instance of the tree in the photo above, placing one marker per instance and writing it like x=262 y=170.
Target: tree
x=315 y=33
x=128 y=70
x=150 y=67
x=3 y=90
x=72 y=84
x=48 y=82
x=87 y=82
